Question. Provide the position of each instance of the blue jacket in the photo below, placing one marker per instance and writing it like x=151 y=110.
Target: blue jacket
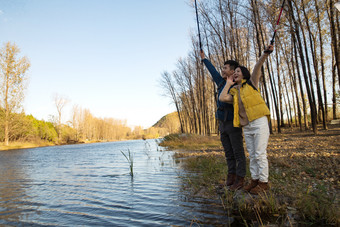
x=225 y=111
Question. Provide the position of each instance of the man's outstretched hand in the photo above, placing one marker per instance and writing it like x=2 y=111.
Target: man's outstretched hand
x=269 y=49
x=202 y=54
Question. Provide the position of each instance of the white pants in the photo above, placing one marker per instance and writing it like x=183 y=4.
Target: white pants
x=256 y=135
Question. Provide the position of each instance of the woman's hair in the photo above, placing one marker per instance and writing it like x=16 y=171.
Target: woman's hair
x=245 y=72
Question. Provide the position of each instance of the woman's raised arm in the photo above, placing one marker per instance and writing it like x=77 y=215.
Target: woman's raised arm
x=255 y=76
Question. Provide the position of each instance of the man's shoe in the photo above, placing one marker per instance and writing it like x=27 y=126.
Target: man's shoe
x=231 y=179
x=238 y=184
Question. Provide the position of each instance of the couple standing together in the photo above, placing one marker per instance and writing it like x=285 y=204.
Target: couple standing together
x=240 y=105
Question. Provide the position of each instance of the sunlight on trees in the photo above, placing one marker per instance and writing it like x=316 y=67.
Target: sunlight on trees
x=296 y=77
x=13 y=80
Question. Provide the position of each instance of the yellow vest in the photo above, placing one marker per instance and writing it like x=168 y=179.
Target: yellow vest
x=252 y=101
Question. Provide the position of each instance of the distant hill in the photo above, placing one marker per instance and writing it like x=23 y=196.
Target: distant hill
x=169 y=122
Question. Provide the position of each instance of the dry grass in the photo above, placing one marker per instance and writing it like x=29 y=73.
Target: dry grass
x=24 y=145
x=304 y=175
x=188 y=142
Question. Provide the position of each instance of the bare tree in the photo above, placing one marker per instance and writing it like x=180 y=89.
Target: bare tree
x=76 y=121
x=335 y=37
x=13 y=83
x=168 y=84
x=60 y=102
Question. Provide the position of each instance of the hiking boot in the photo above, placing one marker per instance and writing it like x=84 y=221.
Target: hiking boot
x=231 y=179
x=260 y=188
x=238 y=184
x=250 y=186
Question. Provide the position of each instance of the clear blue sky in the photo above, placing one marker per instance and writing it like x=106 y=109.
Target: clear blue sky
x=103 y=55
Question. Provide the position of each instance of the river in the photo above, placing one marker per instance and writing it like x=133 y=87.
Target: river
x=90 y=185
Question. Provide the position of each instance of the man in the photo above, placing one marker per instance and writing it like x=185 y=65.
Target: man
x=231 y=137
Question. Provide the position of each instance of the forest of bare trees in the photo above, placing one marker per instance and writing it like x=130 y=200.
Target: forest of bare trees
x=301 y=78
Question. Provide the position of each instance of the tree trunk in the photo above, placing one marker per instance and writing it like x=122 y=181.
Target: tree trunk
x=312 y=44
x=293 y=91
x=333 y=89
x=289 y=111
x=7 y=111
x=280 y=89
x=324 y=107
x=300 y=84
x=335 y=52
x=334 y=39
x=303 y=65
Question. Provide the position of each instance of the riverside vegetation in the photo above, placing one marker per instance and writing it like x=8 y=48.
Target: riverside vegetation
x=27 y=131
x=304 y=177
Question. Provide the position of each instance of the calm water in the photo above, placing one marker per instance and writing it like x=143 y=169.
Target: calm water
x=90 y=185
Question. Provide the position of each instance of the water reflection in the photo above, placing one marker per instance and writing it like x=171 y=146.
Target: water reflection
x=89 y=184
x=14 y=183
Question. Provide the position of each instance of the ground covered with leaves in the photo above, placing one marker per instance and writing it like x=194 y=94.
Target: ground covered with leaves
x=305 y=168
x=304 y=177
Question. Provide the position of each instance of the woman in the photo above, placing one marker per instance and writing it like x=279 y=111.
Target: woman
x=251 y=113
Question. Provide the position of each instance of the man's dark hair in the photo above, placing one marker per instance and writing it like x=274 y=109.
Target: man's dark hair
x=245 y=72
x=233 y=64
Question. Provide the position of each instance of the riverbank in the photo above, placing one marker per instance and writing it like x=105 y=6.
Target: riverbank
x=304 y=178
x=43 y=143
x=26 y=145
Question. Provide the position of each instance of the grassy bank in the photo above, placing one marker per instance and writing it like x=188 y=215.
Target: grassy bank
x=24 y=145
x=188 y=142
x=304 y=178
x=36 y=143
